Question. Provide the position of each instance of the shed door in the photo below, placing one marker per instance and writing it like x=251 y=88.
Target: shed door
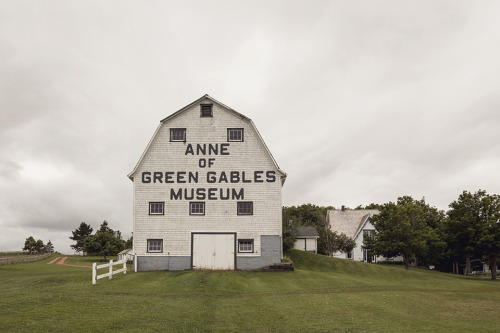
x=311 y=244
x=300 y=243
x=213 y=251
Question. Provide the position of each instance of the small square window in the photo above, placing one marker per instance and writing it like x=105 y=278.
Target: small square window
x=155 y=245
x=196 y=208
x=206 y=110
x=178 y=134
x=245 y=208
x=245 y=245
x=156 y=208
x=234 y=134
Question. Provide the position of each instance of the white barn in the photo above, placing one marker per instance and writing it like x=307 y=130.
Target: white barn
x=207 y=193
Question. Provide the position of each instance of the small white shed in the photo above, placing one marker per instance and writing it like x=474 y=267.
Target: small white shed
x=306 y=239
x=126 y=254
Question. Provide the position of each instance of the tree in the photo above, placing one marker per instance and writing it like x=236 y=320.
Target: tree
x=30 y=245
x=105 y=227
x=473 y=229
x=405 y=229
x=130 y=242
x=79 y=235
x=103 y=244
x=49 y=248
x=304 y=215
x=39 y=247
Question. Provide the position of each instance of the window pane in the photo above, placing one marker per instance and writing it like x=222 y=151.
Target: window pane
x=245 y=208
x=235 y=134
x=197 y=208
x=156 y=207
x=177 y=134
x=206 y=110
x=245 y=245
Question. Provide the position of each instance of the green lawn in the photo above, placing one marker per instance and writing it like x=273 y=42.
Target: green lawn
x=321 y=295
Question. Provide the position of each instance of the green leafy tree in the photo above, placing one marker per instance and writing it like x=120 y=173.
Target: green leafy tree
x=79 y=235
x=130 y=242
x=473 y=229
x=39 y=247
x=49 y=248
x=103 y=244
x=405 y=229
x=105 y=228
x=303 y=215
x=329 y=242
x=30 y=245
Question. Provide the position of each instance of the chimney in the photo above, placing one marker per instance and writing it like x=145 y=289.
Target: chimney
x=343 y=208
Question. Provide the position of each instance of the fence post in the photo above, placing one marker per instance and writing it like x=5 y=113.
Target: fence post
x=111 y=269
x=124 y=266
x=94 y=269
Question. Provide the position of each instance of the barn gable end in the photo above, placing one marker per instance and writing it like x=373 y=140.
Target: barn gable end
x=207 y=193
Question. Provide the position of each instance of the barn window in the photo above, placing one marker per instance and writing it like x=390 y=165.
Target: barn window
x=245 y=208
x=234 y=134
x=245 y=245
x=196 y=208
x=156 y=208
x=178 y=134
x=206 y=110
x=155 y=245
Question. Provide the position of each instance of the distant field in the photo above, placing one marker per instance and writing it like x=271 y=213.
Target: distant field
x=322 y=294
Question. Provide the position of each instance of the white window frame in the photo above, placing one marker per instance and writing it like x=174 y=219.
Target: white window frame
x=235 y=135
x=194 y=208
x=153 y=208
x=155 y=245
x=242 y=246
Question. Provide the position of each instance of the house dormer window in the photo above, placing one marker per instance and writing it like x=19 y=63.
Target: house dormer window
x=178 y=134
x=206 y=110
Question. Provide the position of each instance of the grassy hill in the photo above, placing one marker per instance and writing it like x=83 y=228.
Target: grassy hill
x=322 y=295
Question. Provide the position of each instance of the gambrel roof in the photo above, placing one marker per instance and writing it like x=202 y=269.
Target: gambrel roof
x=228 y=109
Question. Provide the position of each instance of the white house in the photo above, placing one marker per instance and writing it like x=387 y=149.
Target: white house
x=306 y=239
x=356 y=225
x=207 y=193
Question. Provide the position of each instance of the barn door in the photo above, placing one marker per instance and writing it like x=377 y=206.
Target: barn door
x=213 y=251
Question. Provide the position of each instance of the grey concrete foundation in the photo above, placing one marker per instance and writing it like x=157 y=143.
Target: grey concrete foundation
x=270 y=253
x=156 y=263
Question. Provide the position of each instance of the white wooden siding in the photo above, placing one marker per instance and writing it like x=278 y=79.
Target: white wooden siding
x=176 y=225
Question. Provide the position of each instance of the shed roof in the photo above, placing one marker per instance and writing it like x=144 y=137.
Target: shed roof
x=348 y=221
x=125 y=251
x=306 y=231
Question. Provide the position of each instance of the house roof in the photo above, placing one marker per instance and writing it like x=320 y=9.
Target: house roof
x=348 y=221
x=306 y=231
x=125 y=251
x=213 y=100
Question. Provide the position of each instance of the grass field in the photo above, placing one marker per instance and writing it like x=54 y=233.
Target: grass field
x=321 y=295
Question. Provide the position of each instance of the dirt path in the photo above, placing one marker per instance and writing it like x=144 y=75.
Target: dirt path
x=61 y=260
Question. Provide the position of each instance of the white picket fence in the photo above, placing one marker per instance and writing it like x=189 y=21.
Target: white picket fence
x=110 y=273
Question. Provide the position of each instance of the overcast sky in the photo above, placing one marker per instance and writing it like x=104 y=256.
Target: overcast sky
x=358 y=101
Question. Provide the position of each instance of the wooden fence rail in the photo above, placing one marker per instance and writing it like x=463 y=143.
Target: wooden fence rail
x=110 y=273
x=21 y=259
